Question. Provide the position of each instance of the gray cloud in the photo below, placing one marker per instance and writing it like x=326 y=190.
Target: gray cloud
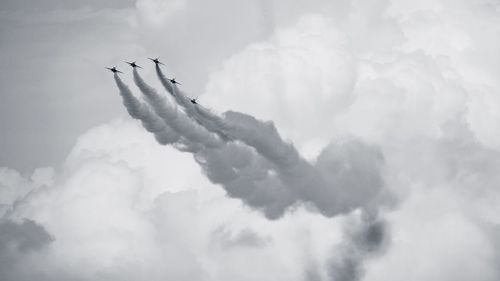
x=17 y=242
x=364 y=239
x=244 y=238
x=22 y=237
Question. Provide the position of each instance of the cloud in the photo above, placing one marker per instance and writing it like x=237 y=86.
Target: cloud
x=244 y=238
x=384 y=97
x=22 y=237
x=433 y=226
x=109 y=206
x=18 y=242
x=307 y=68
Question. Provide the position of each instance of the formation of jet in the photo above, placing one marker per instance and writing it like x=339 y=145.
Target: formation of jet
x=133 y=64
x=114 y=70
x=156 y=61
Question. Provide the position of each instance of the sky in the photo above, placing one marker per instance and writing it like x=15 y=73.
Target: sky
x=332 y=140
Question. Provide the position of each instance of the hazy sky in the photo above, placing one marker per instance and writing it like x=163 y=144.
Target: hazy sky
x=334 y=140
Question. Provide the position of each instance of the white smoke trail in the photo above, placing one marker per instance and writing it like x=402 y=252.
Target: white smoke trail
x=243 y=173
x=176 y=119
x=326 y=189
x=246 y=175
x=257 y=166
x=262 y=136
x=210 y=121
x=141 y=111
x=247 y=178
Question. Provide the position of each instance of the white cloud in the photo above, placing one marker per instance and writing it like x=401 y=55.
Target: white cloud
x=432 y=236
x=123 y=207
x=417 y=79
x=307 y=68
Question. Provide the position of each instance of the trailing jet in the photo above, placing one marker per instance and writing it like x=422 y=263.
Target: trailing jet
x=193 y=101
x=156 y=61
x=114 y=70
x=133 y=64
x=173 y=81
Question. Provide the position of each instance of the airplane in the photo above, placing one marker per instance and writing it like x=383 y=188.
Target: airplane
x=133 y=64
x=156 y=61
x=114 y=70
x=193 y=101
x=173 y=81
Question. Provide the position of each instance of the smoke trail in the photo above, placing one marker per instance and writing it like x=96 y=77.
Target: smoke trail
x=323 y=184
x=246 y=175
x=262 y=136
x=366 y=236
x=243 y=173
x=210 y=121
x=171 y=88
x=176 y=119
x=257 y=166
x=150 y=121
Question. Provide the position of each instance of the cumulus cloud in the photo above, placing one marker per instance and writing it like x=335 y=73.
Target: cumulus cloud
x=22 y=237
x=307 y=68
x=383 y=98
x=118 y=210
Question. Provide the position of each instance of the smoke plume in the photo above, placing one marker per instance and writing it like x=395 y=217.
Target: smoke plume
x=175 y=118
x=346 y=176
x=252 y=162
x=150 y=121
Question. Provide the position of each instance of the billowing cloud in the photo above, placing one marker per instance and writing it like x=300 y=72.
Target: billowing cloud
x=367 y=133
x=308 y=68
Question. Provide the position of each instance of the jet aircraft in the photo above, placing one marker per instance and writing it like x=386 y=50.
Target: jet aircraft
x=193 y=101
x=133 y=64
x=156 y=61
x=114 y=70
x=174 y=82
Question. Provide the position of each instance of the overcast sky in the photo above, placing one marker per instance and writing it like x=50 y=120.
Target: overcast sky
x=333 y=140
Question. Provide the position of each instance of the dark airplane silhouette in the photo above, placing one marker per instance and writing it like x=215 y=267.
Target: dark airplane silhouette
x=114 y=70
x=174 y=82
x=156 y=61
x=193 y=101
x=133 y=64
